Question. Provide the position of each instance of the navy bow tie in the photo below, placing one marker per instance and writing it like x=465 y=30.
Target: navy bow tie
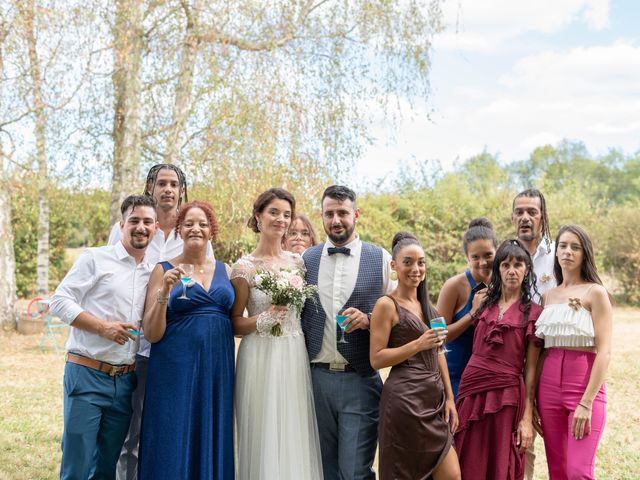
x=344 y=250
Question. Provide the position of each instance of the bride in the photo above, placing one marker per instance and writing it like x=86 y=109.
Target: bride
x=277 y=434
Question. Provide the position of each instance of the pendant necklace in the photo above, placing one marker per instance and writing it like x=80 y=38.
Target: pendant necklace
x=501 y=311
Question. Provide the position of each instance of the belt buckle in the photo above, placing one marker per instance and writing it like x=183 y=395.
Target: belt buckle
x=337 y=367
x=113 y=372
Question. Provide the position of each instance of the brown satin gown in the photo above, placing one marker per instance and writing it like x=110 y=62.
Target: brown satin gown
x=413 y=435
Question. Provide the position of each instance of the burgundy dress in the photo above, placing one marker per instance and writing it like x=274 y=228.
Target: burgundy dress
x=491 y=397
x=413 y=436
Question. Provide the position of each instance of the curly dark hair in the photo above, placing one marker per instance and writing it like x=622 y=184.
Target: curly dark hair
x=264 y=199
x=208 y=212
x=512 y=248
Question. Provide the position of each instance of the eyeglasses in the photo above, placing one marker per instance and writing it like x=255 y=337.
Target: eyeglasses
x=299 y=233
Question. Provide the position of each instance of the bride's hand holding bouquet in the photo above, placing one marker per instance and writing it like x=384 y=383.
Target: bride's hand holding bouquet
x=287 y=289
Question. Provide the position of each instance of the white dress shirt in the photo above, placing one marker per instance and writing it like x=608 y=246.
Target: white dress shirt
x=337 y=278
x=160 y=249
x=107 y=283
x=543 y=268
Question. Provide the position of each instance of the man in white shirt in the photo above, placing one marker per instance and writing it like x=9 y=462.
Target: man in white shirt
x=351 y=275
x=167 y=185
x=102 y=298
x=529 y=217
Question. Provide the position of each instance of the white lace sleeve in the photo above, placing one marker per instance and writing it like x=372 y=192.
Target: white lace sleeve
x=244 y=268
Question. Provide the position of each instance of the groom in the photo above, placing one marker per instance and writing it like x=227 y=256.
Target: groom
x=350 y=275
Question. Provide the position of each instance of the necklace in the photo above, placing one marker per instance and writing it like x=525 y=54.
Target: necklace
x=501 y=310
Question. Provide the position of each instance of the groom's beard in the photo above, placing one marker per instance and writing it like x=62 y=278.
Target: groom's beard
x=341 y=239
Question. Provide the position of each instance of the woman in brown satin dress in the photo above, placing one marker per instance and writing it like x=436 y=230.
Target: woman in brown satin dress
x=417 y=410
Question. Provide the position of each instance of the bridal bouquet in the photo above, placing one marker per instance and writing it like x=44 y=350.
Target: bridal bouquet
x=286 y=288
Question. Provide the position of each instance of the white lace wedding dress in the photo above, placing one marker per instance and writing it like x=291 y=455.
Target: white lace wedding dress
x=276 y=429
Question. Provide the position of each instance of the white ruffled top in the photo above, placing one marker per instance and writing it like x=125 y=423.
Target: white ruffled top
x=560 y=325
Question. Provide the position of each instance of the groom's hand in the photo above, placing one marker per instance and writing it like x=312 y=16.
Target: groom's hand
x=357 y=319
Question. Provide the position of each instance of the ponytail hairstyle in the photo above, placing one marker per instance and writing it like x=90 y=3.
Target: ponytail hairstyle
x=404 y=239
x=479 y=229
x=511 y=249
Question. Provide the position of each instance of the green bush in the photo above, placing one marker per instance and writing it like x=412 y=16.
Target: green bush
x=24 y=221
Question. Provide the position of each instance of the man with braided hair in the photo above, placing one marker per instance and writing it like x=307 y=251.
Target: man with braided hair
x=529 y=217
x=167 y=185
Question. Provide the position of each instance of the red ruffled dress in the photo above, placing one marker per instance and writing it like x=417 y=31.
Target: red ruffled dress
x=491 y=397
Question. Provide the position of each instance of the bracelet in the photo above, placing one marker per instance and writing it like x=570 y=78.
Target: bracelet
x=160 y=298
x=584 y=406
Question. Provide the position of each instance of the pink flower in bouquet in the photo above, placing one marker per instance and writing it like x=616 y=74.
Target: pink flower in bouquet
x=296 y=282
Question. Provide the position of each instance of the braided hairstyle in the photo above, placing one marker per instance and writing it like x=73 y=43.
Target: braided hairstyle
x=511 y=249
x=535 y=193
x=401 y=240
x=152 y=177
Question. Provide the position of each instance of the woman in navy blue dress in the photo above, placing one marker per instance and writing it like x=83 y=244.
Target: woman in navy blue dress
x=462 y=294
x=187 y=423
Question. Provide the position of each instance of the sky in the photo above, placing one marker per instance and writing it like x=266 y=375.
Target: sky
x=510 y=75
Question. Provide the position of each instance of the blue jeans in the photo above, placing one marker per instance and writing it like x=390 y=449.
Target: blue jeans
x=347 y=411
x=97 y=411
x=128 y=462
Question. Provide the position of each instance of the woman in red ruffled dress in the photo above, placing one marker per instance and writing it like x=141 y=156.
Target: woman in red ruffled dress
x=495 y=399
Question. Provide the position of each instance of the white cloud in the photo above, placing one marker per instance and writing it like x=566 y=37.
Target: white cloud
x=591 y=94
x=482 y=26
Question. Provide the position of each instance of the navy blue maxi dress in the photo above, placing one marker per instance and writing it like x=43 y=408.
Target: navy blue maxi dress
x=187 y=424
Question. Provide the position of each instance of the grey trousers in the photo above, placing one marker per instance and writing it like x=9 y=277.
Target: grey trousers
x=347 y=411
x=127 y=468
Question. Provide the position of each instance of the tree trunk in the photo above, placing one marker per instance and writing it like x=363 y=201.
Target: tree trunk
x=42 y=275
x=175 y=138
x=127 y=90
x=8 y=311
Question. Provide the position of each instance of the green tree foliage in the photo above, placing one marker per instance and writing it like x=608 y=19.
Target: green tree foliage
x=621 y=255
x=24 y=205
x=436 y=207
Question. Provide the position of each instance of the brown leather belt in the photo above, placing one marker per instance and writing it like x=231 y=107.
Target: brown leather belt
x=104 y=367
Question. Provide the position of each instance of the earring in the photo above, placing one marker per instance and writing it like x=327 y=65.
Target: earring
x=423 y=277
x=393 y=275
x=259 y=226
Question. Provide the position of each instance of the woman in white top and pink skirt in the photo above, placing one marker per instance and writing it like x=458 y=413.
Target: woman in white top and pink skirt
x=576 y=328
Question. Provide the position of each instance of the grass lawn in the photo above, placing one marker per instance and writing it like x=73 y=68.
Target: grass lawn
x=31 y=407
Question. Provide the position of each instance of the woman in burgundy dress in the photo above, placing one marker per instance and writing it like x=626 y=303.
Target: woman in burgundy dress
x=495 y=400
x=417 y=411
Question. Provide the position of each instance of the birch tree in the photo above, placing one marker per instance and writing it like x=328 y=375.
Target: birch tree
x=233 y=87
x=27 y=12
x=8 y=312
x=127 y=35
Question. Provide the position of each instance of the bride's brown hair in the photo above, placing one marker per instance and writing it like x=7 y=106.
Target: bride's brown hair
x=264 y=199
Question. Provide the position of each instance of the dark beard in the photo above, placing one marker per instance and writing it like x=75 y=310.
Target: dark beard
x=139 y=243
x=339 y=240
